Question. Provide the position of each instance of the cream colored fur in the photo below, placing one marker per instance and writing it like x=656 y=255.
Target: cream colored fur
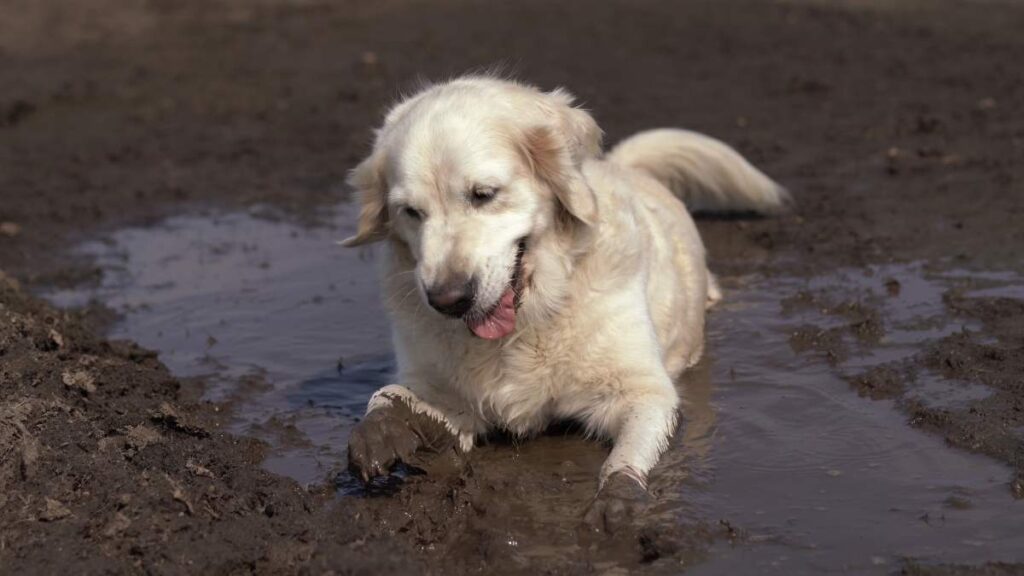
x=614 y=306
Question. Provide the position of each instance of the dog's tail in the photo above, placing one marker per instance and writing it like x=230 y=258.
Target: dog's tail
x=706 y=174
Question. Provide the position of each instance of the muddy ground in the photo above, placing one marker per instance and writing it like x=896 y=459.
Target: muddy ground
x=896 y=126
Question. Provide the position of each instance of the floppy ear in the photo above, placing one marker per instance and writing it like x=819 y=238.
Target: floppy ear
x=549 y=155
x=583 y=136
x=557 y=151
x=367 y=180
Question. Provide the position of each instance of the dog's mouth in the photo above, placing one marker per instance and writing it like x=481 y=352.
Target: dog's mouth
x=500 y=320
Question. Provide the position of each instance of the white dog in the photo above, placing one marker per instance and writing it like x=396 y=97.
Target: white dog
x=531 y=278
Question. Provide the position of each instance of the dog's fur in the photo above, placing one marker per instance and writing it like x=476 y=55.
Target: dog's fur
x=612 y=288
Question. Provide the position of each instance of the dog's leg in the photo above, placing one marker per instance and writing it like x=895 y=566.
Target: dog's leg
x=400 y=427
x=641 y=424
x=388 y=395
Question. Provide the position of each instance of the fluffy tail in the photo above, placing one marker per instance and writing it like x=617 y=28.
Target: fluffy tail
x=706 y=174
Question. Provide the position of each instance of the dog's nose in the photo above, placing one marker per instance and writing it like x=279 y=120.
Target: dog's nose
x=453 y=298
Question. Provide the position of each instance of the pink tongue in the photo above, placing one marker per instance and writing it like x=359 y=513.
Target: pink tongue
x=499 y=323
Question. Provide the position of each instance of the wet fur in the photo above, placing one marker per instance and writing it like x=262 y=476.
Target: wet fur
x=616 y=283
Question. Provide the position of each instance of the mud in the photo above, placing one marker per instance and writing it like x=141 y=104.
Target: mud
x=110 y=465
x=898 y=277
x=395 y=435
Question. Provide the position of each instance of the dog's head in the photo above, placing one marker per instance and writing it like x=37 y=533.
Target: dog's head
x=480 y=180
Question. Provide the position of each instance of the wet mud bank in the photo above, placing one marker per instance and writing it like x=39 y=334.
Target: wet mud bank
x=178 y=165
x=110 y=464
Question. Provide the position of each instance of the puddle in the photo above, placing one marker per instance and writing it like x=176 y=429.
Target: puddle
x=288 y=325
x=818 y=478
x=241 y=297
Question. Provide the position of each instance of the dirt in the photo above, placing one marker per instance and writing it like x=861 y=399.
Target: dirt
x=110 y=465
x=990 y=356
x=895 y=125
x=395 y=434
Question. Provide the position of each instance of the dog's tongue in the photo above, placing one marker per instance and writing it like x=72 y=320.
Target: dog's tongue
x=499 y=323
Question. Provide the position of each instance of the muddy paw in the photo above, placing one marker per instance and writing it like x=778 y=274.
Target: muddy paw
x=393 y=434
x=616 y=505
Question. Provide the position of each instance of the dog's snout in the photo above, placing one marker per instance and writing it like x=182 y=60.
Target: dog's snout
x=453 y=298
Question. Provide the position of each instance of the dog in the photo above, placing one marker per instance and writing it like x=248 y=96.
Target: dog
x=531 y=278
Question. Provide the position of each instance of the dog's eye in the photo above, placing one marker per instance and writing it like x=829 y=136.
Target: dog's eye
x=412 y=213
x=481 y=195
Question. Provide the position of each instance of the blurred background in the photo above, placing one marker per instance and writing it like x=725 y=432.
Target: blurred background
x=887 y=114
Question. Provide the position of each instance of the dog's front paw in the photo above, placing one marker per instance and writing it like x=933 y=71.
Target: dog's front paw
x=616 y=504
x=395 y=433
x=383 y=439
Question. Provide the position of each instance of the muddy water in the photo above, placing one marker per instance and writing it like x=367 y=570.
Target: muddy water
x=288 y=325
x=277 y=318
x=815 y=477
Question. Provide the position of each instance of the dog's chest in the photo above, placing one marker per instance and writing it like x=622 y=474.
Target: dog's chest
x=514 y=385
x=520 y=384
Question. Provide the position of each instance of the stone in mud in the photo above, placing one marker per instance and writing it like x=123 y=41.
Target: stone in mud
x=54 y=510
x=79 y=380
x=198 y=469
x=57 y=339
x=140 y=436
x=170 y=417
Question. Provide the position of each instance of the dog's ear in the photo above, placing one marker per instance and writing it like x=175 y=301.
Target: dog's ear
x=583 y=136
x=553 y=163
x=557 y=150
x=367 y=180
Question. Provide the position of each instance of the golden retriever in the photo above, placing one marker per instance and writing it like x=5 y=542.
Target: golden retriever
x=531 y=278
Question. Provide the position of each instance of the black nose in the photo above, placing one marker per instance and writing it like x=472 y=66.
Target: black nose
x=452 y=298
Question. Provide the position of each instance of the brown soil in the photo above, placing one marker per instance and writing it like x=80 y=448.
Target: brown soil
x=896 y=127
x=992 y=356
x=110 y=465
